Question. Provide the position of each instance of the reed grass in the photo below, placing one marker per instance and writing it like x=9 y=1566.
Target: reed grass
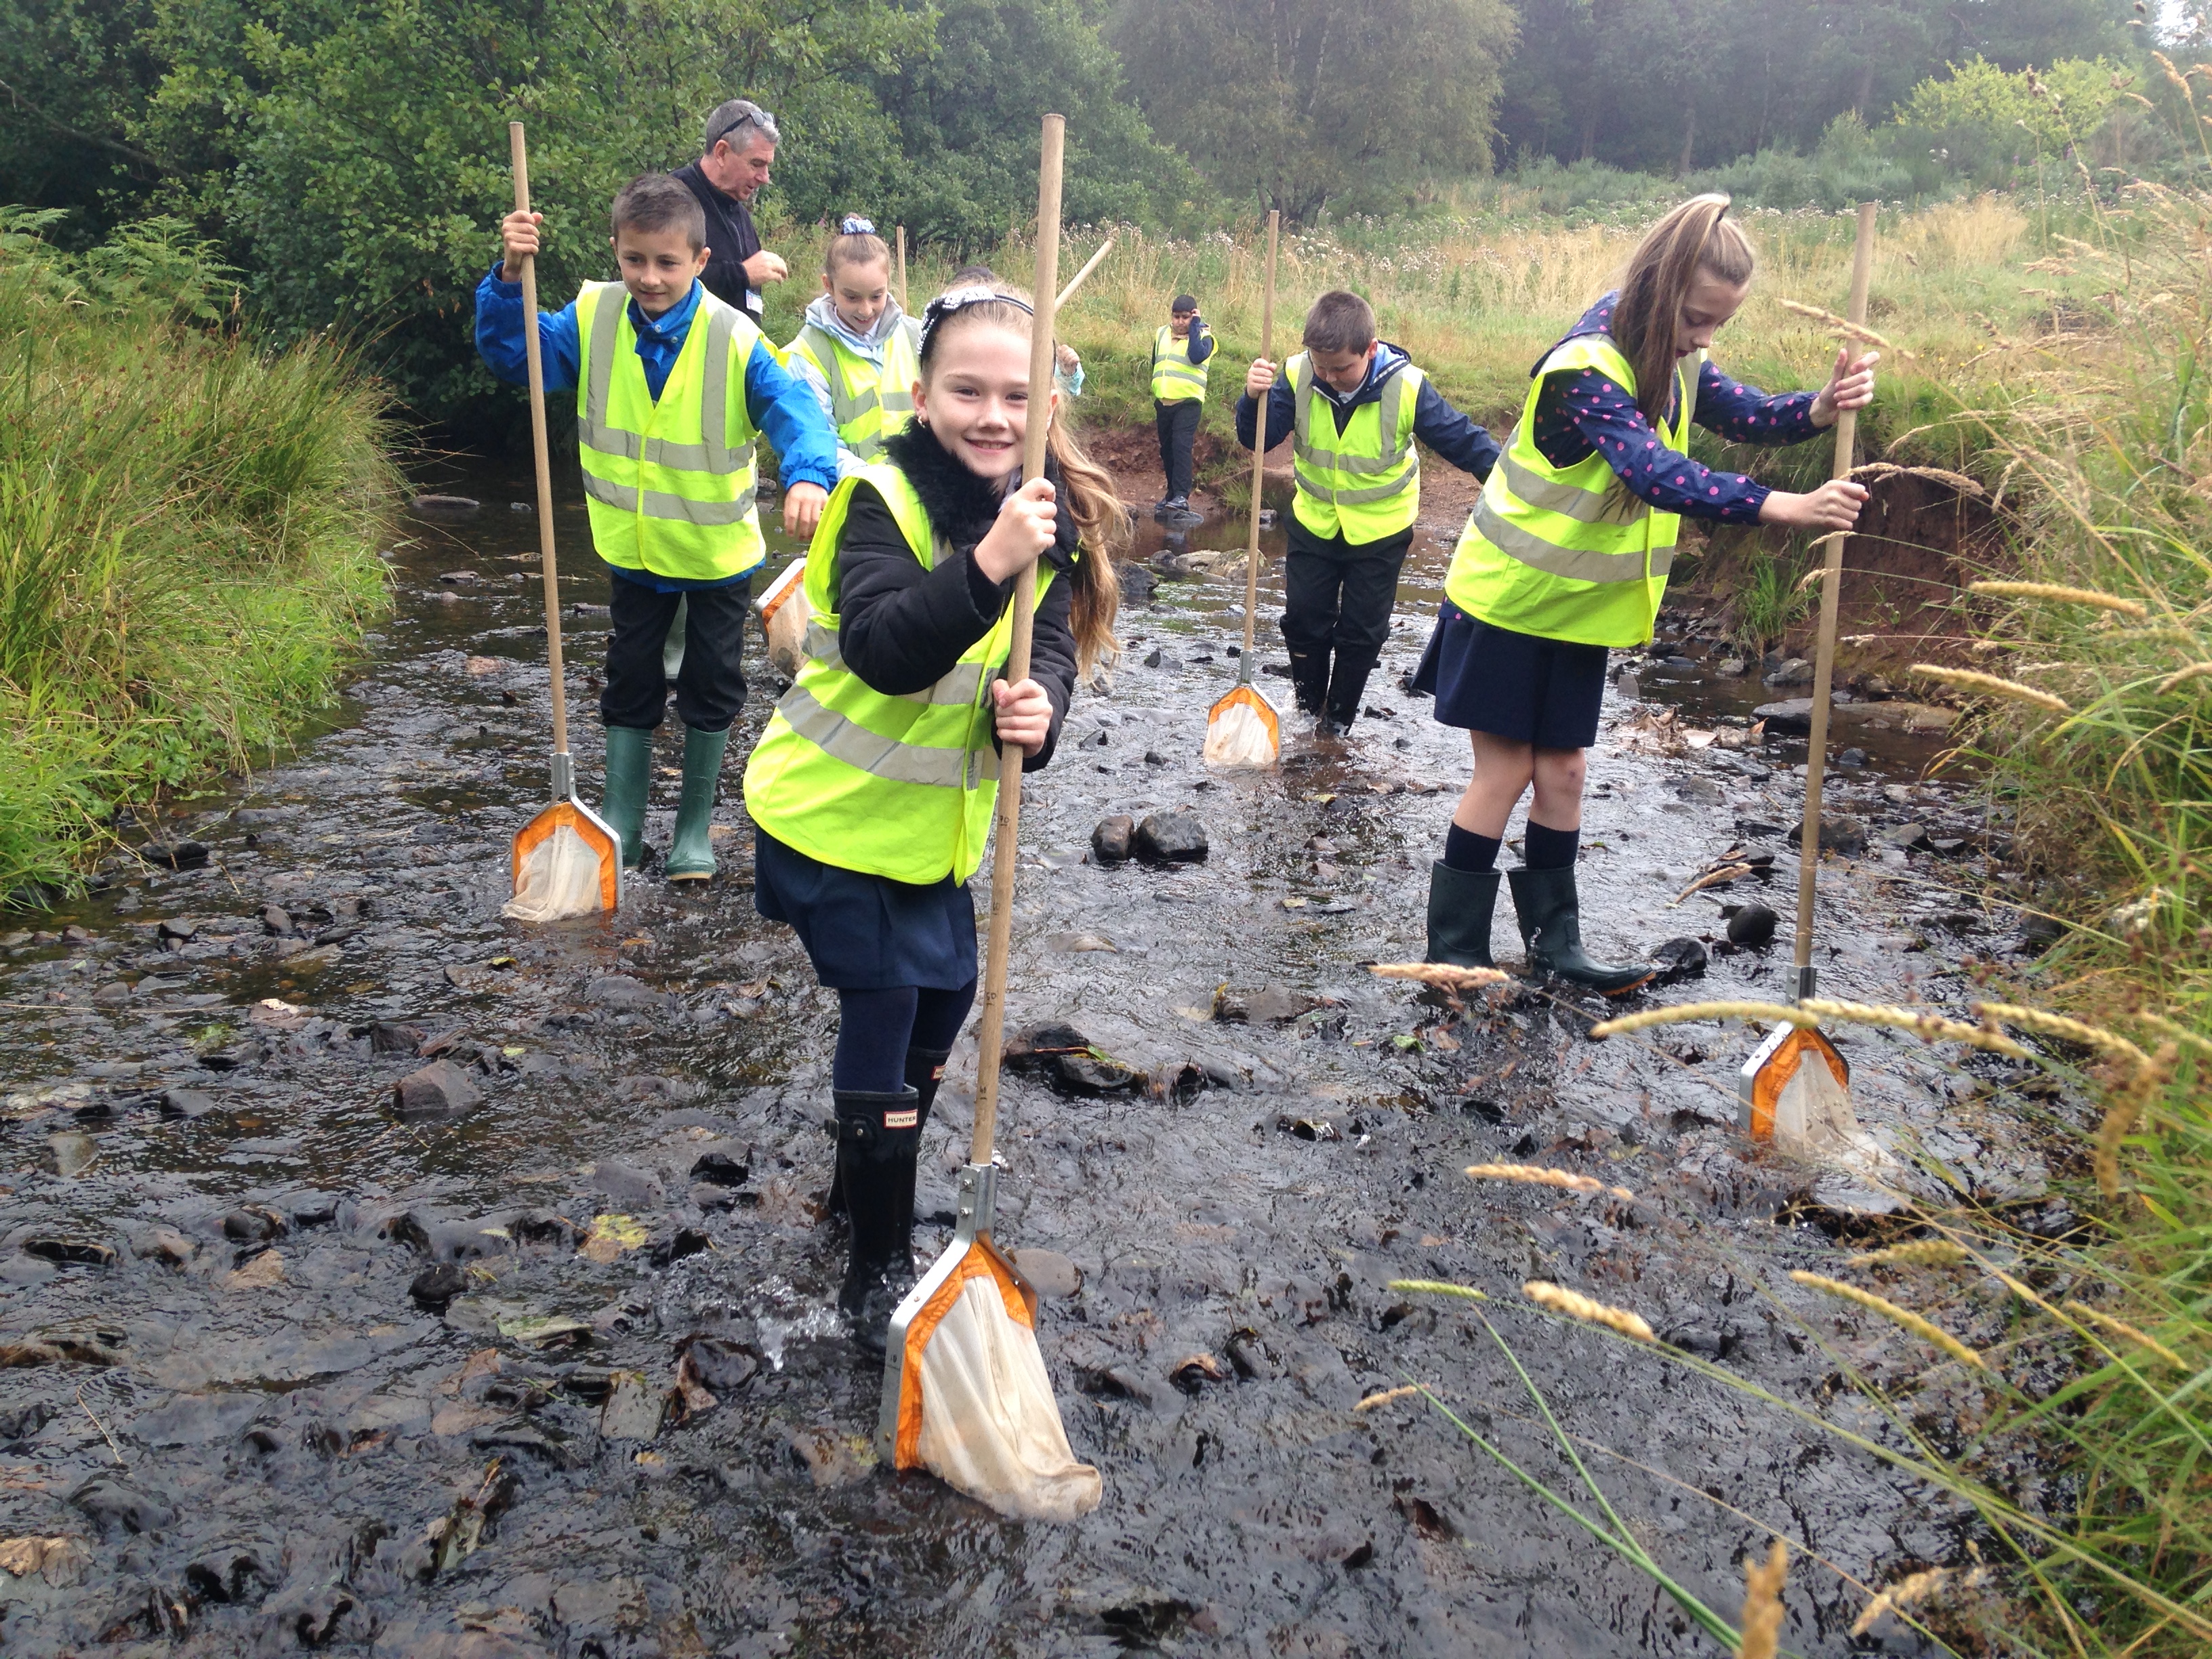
x=187 y=532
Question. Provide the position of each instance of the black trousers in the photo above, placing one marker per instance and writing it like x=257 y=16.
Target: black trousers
x=1338 y=595
x=710 y=687
x=1177 y=425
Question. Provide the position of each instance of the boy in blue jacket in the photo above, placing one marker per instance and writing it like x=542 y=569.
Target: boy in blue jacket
x=678 y=387
x=1353 y=406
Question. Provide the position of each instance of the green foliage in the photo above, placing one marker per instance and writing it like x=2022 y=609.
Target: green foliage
x=186 y=529
x=1668 y=85
x=963 y=169
x=1296 y=106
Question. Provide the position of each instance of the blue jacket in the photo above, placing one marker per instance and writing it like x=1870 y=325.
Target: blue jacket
x=782 y=409
x=1454 y=436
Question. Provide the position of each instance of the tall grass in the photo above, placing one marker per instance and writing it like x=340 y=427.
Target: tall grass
x=1477 y=298
x=186 y=534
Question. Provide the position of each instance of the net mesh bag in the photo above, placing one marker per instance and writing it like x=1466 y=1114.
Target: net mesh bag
x=1243 y=731
x=975 y=1406
x=561 y=874
x=784 y=613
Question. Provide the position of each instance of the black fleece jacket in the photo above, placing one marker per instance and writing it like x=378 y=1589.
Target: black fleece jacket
x=902 y=628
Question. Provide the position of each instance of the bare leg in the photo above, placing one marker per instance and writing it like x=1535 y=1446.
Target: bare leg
x=1502 y=771
x=1559 y=775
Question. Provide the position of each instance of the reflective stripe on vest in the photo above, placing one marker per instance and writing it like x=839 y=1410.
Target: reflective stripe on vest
x=1567 y=553
x=1175 y=379
x=670 y=481
x=1335 y=486
x=901 y=786
x=868 y=402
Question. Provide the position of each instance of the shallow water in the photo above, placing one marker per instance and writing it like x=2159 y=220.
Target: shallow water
x=250 y=1452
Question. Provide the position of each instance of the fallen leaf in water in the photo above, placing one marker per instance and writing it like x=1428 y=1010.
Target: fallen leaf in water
x=611 y=1236
x=264 y=1272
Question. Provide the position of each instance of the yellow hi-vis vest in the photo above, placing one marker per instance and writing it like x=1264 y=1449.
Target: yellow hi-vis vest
x=670 y=481
x=1566 y=553
x=1366 y=480
x=897 y=787
x=867 y=403
x=1175 y=379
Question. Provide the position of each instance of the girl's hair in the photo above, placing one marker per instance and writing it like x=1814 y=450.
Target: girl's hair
x=1086 y=486
x=1656 y=284
x=855 y=243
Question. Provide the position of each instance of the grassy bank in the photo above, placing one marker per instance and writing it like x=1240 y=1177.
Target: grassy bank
x=186 y=535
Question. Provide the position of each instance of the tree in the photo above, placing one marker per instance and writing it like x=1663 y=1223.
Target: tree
x=963 y=169
x=1295 y=101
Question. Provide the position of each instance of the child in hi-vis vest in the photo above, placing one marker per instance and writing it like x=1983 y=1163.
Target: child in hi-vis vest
x=1181 y=351
x=674 y=389
x=1566 y=555
x=873 y=787
x=857 y=351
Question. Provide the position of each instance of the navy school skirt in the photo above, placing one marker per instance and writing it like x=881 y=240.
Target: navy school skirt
x=1519 y=687
x=867 y=933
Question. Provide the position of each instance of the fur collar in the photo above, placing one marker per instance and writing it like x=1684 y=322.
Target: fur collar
x=961 y=506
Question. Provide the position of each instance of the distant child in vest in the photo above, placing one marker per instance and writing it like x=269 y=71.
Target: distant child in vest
x=1351 y=406
x=677 y=388
x=873 y=785
x=1567 y=553
x=857 y=351
x=1181 y=351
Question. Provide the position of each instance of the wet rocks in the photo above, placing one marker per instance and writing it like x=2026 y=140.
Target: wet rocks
x=1050 y=1274
x=116 y=1505
x=628 y=1185
x=833 y=1456
x=1175 y=837
x=74 y=1152
x=277 y=921
x=1068 y=1059
x=620 y=991
x=440 y=1089
x=1111 y=842
x=717 y=1363
x=1194 y=1372
x=1138 y=583
x=720 y=1170
x=1906 y=838
x=79 y=1252
x=435 y=1288
x=264 y=1271
x=1679 y=959
x=1272 y=1005
x=1753 y=925
x=634 y=1409
x=186 y=1102
x=1852 y=757
x=176 y=854
x=1842 y=834
x=445 y=506
x=1794 y=670
x=253 y=1224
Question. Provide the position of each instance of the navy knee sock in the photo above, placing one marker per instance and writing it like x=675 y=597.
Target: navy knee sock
x=1465 y=850
x=1546 y=849
x=874 y=1028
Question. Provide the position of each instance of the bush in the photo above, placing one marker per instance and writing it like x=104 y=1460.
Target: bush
x=188 y=528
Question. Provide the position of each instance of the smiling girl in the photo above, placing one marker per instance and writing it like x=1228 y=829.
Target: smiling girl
x=873 y=785
x=856 y=349
x=1567 y=555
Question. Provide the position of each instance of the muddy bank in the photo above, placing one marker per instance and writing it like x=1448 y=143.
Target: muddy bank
x=543 y=1363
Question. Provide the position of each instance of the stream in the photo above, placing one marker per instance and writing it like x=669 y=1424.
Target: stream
x=283 y=1367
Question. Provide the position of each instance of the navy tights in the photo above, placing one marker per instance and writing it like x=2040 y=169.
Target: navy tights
x=876 y=1028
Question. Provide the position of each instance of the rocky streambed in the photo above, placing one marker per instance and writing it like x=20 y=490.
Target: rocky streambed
x=377 y=1276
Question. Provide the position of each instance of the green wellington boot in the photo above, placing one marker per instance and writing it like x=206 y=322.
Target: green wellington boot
x=629 y=775
x=690 y=853
x=1461 y=902
x=1552 y=929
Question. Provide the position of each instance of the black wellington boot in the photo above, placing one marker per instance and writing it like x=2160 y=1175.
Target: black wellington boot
x=1552 y=929
x=877 y=1136
x=1347 y=683
x=1310 y=680
x=924 y=1070
x=1461 y=903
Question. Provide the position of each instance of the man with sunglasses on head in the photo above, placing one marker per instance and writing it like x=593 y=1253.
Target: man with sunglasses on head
x=740 y=148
